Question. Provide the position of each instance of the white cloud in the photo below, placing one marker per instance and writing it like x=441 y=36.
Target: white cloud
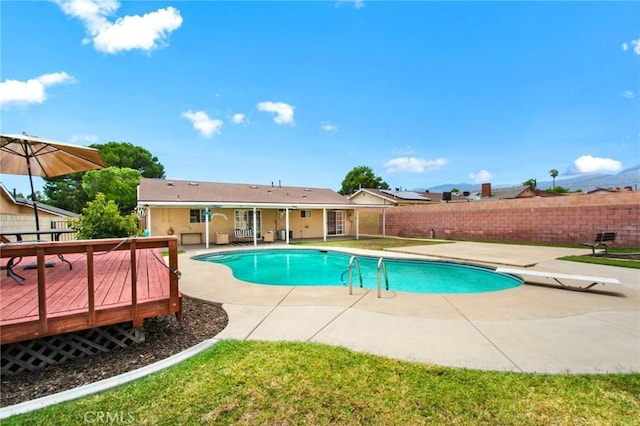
x=635 y=44
x=328 y=127
x=628 y=94
x=145 y=32
x=202 y=123
x=238 y=118
x=589 y=164
x=31 y=91
x=283 y=112
x=407 y=150
x=91 y=139
x=483 y=176
x=413 y=164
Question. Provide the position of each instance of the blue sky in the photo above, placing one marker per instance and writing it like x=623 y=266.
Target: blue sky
x=424 y=93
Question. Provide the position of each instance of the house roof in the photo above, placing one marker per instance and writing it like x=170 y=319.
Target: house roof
x=507 y=193
x=609 y=190
x=396 y=196
x=407 y=195
x=194 y=193
x=41 y=206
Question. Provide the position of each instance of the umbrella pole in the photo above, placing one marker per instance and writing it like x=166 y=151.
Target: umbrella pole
x=33 y=194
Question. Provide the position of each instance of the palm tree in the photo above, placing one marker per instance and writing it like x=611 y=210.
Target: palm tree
x=553 y=173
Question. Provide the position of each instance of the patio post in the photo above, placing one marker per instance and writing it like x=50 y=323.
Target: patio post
x=384 y=222
x=324 y=224
x=255 y=227
x=207 y=216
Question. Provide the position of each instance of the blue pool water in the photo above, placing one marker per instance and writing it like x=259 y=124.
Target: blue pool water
x=328 y=268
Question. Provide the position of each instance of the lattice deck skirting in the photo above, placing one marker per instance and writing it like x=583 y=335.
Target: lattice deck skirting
x=38 y=353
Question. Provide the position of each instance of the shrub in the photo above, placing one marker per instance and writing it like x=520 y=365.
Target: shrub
x=102 y=219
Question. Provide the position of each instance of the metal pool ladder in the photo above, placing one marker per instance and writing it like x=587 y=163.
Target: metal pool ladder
x=354 y=261
x=382 y=267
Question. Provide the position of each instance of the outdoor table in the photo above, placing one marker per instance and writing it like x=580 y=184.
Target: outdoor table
x=54 y=233
x=19 y=234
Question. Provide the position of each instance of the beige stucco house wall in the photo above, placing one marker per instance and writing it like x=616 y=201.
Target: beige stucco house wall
x=17 y=214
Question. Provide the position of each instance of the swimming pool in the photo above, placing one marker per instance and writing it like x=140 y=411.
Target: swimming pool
x=305 y=267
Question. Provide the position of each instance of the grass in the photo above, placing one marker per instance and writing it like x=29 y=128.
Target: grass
x=604 y=261
x=306 y=383
x=166 y=252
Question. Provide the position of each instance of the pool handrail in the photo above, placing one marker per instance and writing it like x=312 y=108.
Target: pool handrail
x=354 y=261
x=382 y=266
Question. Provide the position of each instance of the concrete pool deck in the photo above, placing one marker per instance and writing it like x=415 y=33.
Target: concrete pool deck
x=537 y=328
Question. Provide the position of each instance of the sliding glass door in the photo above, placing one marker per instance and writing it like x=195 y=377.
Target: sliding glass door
x=335 y=222
x=244 y=221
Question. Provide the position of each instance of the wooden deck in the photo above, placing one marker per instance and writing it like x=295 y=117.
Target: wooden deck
x=97 y=291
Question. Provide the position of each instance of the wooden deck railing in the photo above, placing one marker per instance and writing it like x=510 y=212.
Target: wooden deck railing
x=93 y=316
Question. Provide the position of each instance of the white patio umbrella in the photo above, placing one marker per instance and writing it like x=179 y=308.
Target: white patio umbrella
x=30 y=155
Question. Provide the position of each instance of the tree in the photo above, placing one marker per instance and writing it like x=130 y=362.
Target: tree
x=67 y=192
x=102 y=219
x=554 y=174
x=125 y=154
x=558 y=190
x=531 y=183
x=361 y=177
x=117 y=184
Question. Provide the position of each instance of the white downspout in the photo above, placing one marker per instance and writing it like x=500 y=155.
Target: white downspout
x=286 y=227
x=357 y=224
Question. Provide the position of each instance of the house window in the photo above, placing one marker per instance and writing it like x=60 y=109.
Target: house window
x=243 y=219
x=305 y=213
x=197 y=216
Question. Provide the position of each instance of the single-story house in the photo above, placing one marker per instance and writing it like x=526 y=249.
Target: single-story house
x=392 y=197
x=17 y=213
x=199 y=212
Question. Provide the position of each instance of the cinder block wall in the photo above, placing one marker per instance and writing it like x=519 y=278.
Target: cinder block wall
x=567 y=219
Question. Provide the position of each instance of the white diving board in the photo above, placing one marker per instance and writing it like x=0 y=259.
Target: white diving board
x=557 y=277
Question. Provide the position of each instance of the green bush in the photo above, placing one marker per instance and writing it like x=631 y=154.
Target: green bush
x=102 y=219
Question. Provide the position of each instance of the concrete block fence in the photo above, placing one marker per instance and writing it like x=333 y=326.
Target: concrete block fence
x=572 y=218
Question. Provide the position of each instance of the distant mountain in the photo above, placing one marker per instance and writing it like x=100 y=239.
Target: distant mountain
x=586 y=182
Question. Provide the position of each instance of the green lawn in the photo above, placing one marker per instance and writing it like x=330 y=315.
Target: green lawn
x=265 y=383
